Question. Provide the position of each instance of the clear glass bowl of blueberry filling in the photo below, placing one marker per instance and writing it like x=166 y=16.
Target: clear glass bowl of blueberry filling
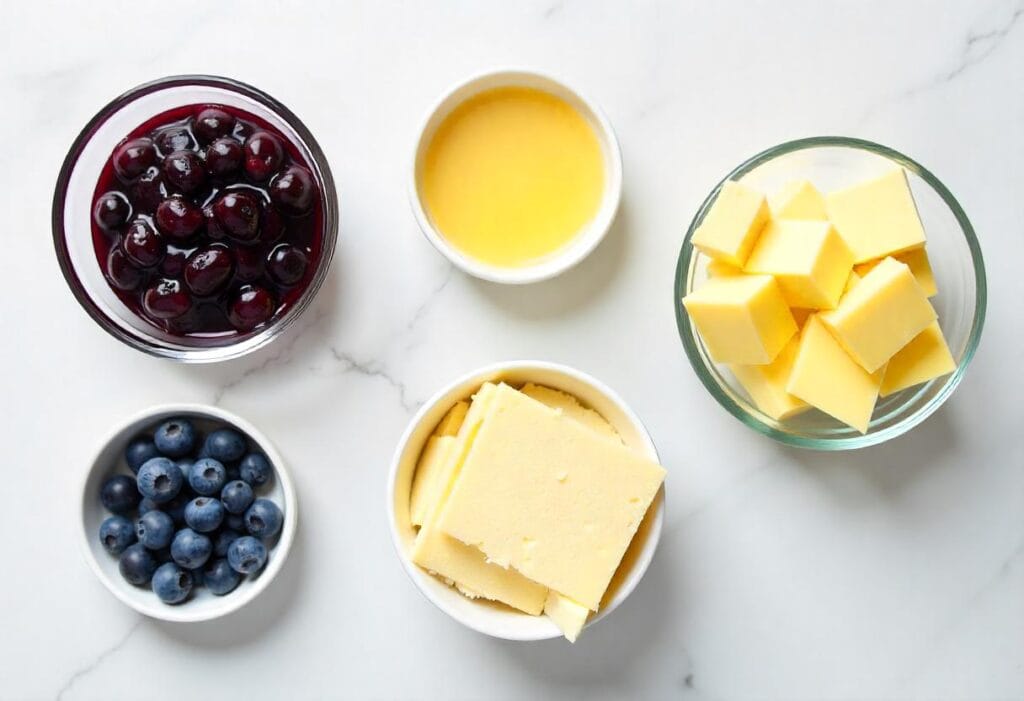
x=195 y=218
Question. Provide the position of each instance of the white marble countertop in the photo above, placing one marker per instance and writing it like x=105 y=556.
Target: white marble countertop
x=894 y=572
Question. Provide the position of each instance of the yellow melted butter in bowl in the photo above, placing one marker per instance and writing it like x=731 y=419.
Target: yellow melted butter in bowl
x=512 y=176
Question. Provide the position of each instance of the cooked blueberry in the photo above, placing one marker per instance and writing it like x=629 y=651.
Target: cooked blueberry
x=207 y=476
x=121 y=272
x=190 y=549
x=271 y=224
x=119 y=494
x=222 y=540
x=172 y=583
x=219 y=577
x=165 y=299
x=175 y=438
x=209 y=270
x=293 y=191
x=239 y=214
x=174 y=262
x=176 y=138
x=184 y=170
x=287 y=264
x=255 y=469
x=237 y=496
x=225 y=445
x=149 y=191
x=159 y=479
x=204 y=514
x=263 y=519
x=249 y=264
x=143 y=244
x=224 y=157
x=154 y=529
x=251 y=307
x=263 y=155
x=111 y=210
x=136 y=564
x=117 y=533
x=247 y=555
x=138 y=451
x=211 y=123
x=178 y=218
x=133 y=158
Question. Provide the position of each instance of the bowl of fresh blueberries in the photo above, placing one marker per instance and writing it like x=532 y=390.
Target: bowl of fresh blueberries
x=188 y=512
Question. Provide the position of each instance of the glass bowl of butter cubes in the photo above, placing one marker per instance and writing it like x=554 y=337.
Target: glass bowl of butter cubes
x=830 y=293
x=526 y=501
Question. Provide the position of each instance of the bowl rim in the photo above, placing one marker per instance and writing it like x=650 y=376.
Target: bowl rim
x=318 y=162
x=417 y=575
x=586 y=240
x=687 y=255
x=232 y=601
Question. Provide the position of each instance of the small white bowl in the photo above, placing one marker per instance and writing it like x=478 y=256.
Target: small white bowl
x=201 y=605
x=586 y=240
x=482 y=616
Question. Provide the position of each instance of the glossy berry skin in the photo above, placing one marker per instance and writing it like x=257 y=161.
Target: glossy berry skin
x=178 y=218
x=207 y=477
x=138 y=451
x=239 y=214
x=171 y=583
x=287 y=264
x=212 y=123
x=255 y=469
x=221 y=541
x=119 y=495
x=143 y=244
x=137 y=564
x=225 y=444
x=116 y=534
x=121 y=272
x=247 y=555
x=224 y=157
x=166 y=299
x=263 y=155
x=176 y=438
x=237 y=496
x=208 y=270
x=175 y=138
x=111 y=211
x=154 y=529
x=184 y=170
x=251 y=307
x=204 y=514
x=293 y=191
x=133 y=158
x=190 y=549
x=219 y=577
x=263 y=519
x=160 y=480
x=149 y=191
x=272 y=225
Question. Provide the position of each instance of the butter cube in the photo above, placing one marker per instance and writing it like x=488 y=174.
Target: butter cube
x=880 y=315
x=718 y=268
x=452 y=421
x=920 y=267
x=547 y=496
x=569 y=616
x=732 y=225
x=766 y=384
x=827 y=378
x=742 y=320
x=426 y=481
x=808 y=259
x=571 y=407
x=801 y=315
x=877 y=218
x=798 y=199
x=923 y=359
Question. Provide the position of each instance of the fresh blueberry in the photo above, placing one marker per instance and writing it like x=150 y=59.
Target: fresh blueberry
x=171 y=583
x=198 y=579
x=154 y=529
x=136 y=564
x=185 y=465
x=119 y=494
x=223 y=539
x=255 y=469
x=235 y=522
x=147 y=505
x=139 y=451
x=175 y=508
x=263 y=519
x=116 y=534
x=207 y=476
x=160 y=479
x=204 y=514
x=237 y=496
x=190 y=549
x=247 y=555
x=220 y=578
x=175 y=438
x=225 y=444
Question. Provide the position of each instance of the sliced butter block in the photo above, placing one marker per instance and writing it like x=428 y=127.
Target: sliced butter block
x=923 y=359
x=569 y=616
x=571 y=407
x=452 y=421
x=732 y=225
x=547 y=496
x=881 y=314
x=766 y=384
x=877 y=218
x=827 y=378
x=742 y=320
x=798 y=199
x=920 y=267
x=718 y=268
x=851 y=281
x=426 y=486
x=808 y=259
x=801 y=315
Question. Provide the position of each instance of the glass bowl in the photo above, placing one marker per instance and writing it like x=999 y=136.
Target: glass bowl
x=832 y=162
x=72 y=205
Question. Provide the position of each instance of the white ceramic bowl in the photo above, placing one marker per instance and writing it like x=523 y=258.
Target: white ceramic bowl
x=496 y=620
x=109 y=460
x=586 y=240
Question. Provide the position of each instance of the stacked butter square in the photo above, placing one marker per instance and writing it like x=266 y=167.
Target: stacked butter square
x=819 y=300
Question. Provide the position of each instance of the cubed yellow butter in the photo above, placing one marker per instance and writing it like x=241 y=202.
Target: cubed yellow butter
x=548 y=497
x=571 y=407
x=880 y=315
x=877 y=218
x=426 y=481
x=798 y=199
x=827 y=378
x=923 y=359
x=808 y=259
x=851 y=281
x=800 y=316
x=742 y=320
x=452 y=421
x=917 y=261
x=733 y=224
x=718 y=268
x=766 y=384
x=569 y=616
